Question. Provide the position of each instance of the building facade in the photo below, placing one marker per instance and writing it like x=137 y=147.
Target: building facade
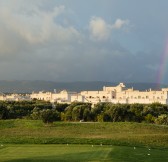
x=117 y=94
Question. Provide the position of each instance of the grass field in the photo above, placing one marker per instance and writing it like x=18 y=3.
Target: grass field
x=128 y=134
x=77 y=153
x=33 y=141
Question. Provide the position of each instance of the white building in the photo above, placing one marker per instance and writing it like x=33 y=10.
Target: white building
x=14 y=97
x=116 y=94
x=46 y=96
x=61 y=97
x=121 y=94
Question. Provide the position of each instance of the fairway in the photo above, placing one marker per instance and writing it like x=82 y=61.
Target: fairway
x=51 y=153
x=32 y=141
x=22 y=131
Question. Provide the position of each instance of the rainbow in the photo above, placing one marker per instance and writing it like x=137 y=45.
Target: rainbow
x=163 y=66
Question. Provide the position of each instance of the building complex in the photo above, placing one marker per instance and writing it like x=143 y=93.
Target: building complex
x=117 y=94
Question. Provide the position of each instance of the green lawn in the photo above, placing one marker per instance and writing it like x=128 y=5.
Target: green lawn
x=33 y=141
x=124 y=133
x=72 y=153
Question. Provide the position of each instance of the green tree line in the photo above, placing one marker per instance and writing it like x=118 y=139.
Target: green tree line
x=76 y=111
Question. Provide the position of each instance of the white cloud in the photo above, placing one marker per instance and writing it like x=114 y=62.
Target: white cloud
x=33 y=24
x=101 y=30
x=120 y=23
x=34 y=44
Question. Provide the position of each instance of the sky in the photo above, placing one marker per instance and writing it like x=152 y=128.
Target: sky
x=77 y=40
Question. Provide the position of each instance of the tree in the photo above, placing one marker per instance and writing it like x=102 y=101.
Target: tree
x=3 y=112
x=100 y=118
x=68 y=114
x=49 y=116
x=76 y=114
x=87 y=115
x=162 y=119
x=149 y=118
x=36 y=114
x=137 y=110
x=61 y=107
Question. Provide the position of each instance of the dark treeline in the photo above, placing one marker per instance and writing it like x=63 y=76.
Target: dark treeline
x=21 y=109
x=101 y=112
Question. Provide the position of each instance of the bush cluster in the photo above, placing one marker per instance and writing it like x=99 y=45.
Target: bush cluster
x=76 y=111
